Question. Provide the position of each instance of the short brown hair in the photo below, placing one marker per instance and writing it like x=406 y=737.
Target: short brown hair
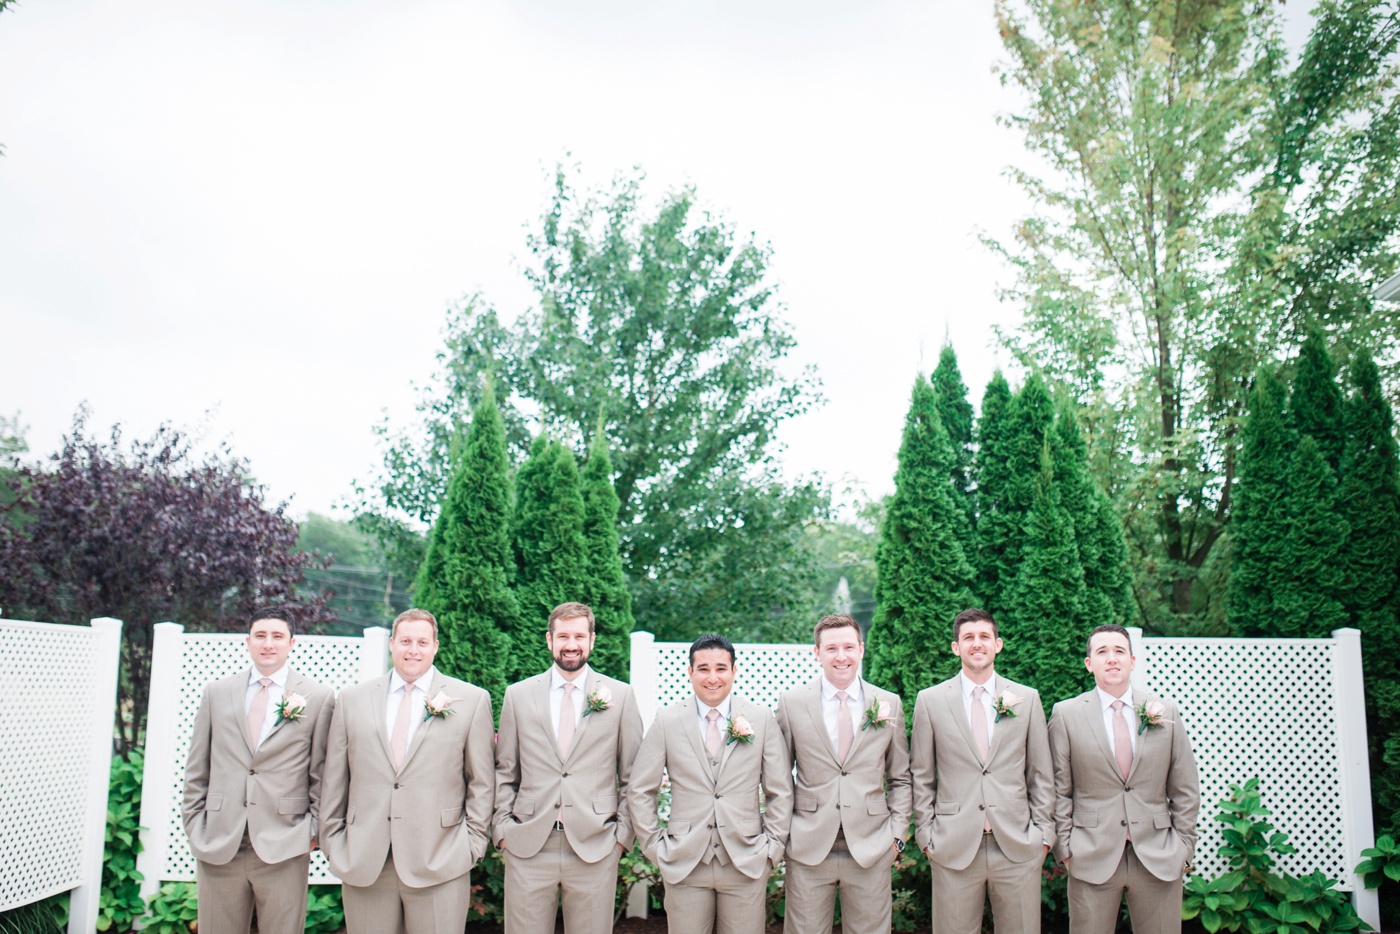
x=408 y=616
x=835 y=621
x=1108 y=627
x=277 y=613
x=973 y=615
x=571 y=611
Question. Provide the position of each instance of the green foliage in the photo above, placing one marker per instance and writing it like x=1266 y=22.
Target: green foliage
x=1310 y=581
x=605 y=588
x=996 y=523
x=488 y=898
x=911 y=889
x=1029 y=418
x=465 y=577
x=923 y=576
x=1316 y=406
x=1251 y=896
x=325 y=913
x=1381 y=861
x=174 y=909
x=950 y=395
x=635 y=869
x=48 y=916
x=120 y=901
x=1260 y=519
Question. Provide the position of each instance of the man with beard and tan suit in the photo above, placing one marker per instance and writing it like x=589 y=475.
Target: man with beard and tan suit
x=851 y=803
x=563 y=759
x=717 y=850
x=983 y=789
x=409 y=781
x=1126 y=796
x=253 y=788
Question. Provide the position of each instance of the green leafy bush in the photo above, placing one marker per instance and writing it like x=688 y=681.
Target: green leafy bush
x=174 y=909
x=49 y=916
x=1382 y=862
x=120 y=902
x=324 y=912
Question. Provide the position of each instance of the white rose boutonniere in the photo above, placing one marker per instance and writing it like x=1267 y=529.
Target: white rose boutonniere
x=600 y=699
x=1005 y=705
x=1150 y=716
x=291 y=708
x=878 y=715
x=739 y=729
x=439 y=706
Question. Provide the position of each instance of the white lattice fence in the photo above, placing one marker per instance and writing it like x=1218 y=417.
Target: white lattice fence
x=181 y=666
x=56 y=725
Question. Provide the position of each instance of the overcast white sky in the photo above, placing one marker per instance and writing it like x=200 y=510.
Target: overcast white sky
x=263 y=208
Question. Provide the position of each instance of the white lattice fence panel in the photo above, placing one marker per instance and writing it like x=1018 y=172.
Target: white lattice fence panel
x=1266 y=708
x=765 y=672
x=331 y=660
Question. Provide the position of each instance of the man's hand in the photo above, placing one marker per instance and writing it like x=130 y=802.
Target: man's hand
x=1044 y=850
x=313 y=845
x=623 y=848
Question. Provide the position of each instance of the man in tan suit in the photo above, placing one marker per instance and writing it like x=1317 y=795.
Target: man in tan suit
x=852 y=801
x=983 y=790
x=717 y=850
x=563 y=759
x=253 y=788
x=1126 y=796
x=409 y=780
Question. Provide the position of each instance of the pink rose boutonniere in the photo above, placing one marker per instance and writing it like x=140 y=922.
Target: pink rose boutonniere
x=439 y=706
x=738 y=729
x=600 y=699
x=877 y=714
x=290 y=708
x=1005 y=705
x=1150 y=715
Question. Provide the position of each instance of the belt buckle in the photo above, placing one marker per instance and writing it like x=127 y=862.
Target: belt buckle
x=558 y=825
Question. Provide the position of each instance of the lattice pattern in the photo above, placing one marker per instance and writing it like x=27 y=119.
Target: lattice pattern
x=331 y=660
x=47 y=712
x=766 y=672
x=1266 y=708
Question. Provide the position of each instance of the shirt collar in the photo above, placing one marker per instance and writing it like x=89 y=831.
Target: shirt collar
x=557 y=679
x=701 y=708
x=279 y=677
x=854 y=692
x=425 y=680
x=968 y=685
x=1106 y=699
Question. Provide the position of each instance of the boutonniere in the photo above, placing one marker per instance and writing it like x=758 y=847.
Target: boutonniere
x=1004 y=705
x=738 y=729
x=877 y=714
x=290 y=708
x=600 y=699
x=1151 y=714
x=439 y=706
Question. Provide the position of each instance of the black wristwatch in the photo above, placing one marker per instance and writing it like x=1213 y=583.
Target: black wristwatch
x=899 y=845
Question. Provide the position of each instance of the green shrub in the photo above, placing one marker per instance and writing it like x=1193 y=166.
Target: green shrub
x=120 y=902
x=324 y=912
x=174 y=909
x=49 y=916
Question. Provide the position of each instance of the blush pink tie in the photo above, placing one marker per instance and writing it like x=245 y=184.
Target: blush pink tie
x=257 y=712
x=844 y=734
x=980 y=737
x=398 y=743
x=712 y=740
x=1122 y=742
x=566 y=721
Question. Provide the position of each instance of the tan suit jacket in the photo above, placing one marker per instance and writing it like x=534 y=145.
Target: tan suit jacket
x=434 y=811
x=275 y=793
x=533 y=783
x=708 y=801
x=1096 y=810
x=954 y=790
x=867 y=797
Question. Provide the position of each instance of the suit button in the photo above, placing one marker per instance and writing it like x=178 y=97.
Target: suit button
x=396 y=785
x=717 y=797
x=843 y=774
x=981 y=807
x=1123 y=823
x=1127 y=789
x=565 y=775
x=252 y=771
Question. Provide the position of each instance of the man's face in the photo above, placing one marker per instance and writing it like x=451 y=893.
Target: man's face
x=413 y=648
x=977 y=645
x=840 y=650
x=570 y=643
x=712 y=675
x=1110 y=661
x=269 y=643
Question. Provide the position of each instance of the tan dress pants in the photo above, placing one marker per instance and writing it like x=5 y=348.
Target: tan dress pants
x=1154 y=906
x=533 y=886
x=1013 y=888
x=716 y=898
x=388 y=906
x=810 y=894
x=228 y=894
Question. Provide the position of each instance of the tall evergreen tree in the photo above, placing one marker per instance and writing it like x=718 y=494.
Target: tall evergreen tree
x=1260 y=524
x=924 y=576
x=994 y=521
x=950 y=395
x=1311 y=576
x=606 y=591
x=549 y=547
x=1045 y=621
x=465 y=578
x=1316 y=407
x=1029 y=418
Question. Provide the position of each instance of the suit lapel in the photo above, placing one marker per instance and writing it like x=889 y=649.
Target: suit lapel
x=868 y=692
x=998 y=687
x=590 y=684
x=380 y=698
x=237 y=698
x=814 y=710
x=953 y=697
x=293 y=686
x=727 y=747
x=691 y=730
x=1093 y=712
x=1141 y=741
x=421 y=733
x=540 y=690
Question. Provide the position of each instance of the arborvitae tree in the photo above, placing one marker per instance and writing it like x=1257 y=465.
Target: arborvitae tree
x=1029 y=418
x=606 y=590
x=1260 y=522
x=1044 y=623
x=1316 y=407
x=1108 y=596
x=1311 y=577
x=923 y=575
x=465 y=579
x=994 y=521
x=549 y=546
x=950 y=395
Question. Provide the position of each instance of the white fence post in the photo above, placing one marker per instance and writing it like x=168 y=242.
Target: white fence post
x=1358 y=832
x=1139 y=678
x=167 y=646
x=374 y=652
x=646 y=680
x=83 y=902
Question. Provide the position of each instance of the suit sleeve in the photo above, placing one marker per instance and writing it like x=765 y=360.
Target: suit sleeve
x=1061 y=762
x=777 y=790
x=507 y=767
x=1040 y=773
x=320 y=736
x=898 y=785
x=335 y=789
x=197 y=764
x=922 y=773
x=785 y=727
x=1183 y=787
x=644 y=784
x=479 y=767
x=629 y=741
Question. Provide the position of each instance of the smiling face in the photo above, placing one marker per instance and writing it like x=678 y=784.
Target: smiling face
x=977 y=645
x=840 y=650
x=270 y=641
x=712 y=674
x=570 y=642
x=413 y=647
x=1110 y=661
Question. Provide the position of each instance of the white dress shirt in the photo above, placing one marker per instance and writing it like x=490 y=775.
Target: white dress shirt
x=703 y=710
x=556 y=696
x=274 y=696
x=988 y=709
x=420 y=701
x=1129 y=714
x=831 y=707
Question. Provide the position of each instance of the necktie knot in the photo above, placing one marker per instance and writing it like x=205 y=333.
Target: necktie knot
x=842 y=696
x=713 y=715
x=977 y=693
x=568 y=688
x=1117 y=706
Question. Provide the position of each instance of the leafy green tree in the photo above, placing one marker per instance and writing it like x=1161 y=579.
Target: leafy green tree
x=1203 y=199
x=466 y=575
x=1029 y=419
x=956 y=413
x=606 y=588
x=1260 y=529
x=995 y=522
x=1315 y=405
x=924 y=578
x=1310 y=579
